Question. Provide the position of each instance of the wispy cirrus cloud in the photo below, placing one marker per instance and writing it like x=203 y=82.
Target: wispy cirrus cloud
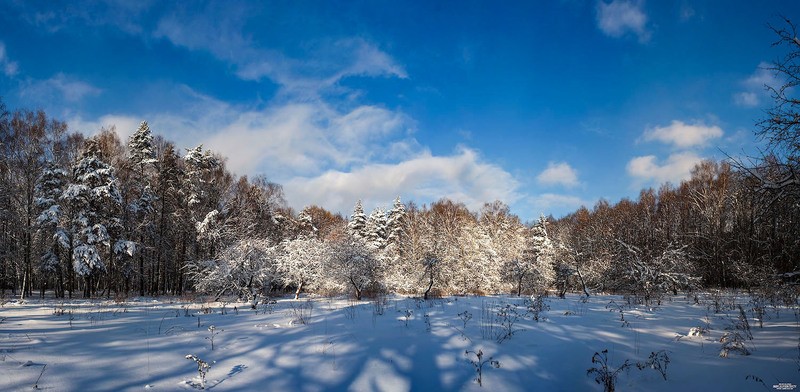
x=8 y=67
x=218 y=31
x=54 y=17
x=754 y=88
x=59 y=87
x=621 y=17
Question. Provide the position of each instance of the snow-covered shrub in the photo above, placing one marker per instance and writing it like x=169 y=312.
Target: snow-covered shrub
x=603 y=373
x=246 y=269
x=719 y=301
x=498 y=321
x=353 y=263
x=536 y=306
x=736 y=335
x=465 y=316
x=301 y=313
x=379 y=304
x=406 y=315
x=202 y=368
x=757 y=306
x=658 y=361
x=214 y=332
x=613 y=306
x=301 y=263
x=697 y=331
x=478 y=362
x=650 y=273
x=507 y=316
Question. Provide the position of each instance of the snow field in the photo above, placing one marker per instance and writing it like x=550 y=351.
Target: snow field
x=397 y=344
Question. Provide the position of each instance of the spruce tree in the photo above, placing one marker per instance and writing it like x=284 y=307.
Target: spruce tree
x=358 y=222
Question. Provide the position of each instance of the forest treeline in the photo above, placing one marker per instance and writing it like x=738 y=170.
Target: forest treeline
x=99 y=216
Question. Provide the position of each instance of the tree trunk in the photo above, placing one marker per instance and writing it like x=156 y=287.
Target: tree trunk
x=583 y=282
x=358 y=290
x=297 y=293
x=428 y=290
x=141 y=267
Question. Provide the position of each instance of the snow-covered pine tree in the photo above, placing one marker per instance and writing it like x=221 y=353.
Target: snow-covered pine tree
x=395 y=221
x=358 y=222
x=142 y=198
x=140 y=147
x=376 y=229
x=540 y=250
x=54 y=238
x=170 y=233
x=305 y=223
x=94 y=199
x=392 y=261
x=200 y=205
x=533 y=270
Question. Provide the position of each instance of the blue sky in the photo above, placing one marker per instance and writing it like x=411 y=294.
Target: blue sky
x=545 y=105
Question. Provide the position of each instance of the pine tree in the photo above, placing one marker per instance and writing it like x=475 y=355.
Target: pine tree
x=141 y=206
x=201 y=206
x=358 y=222
x=395 y=221
x=140 y=147
x=171 y=222
x=375 y=230
x=54 y=238
x=538 y=255
x=95 y=201
x=305 y=223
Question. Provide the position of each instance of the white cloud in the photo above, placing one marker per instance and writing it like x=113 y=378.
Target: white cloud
x=304 y=138
x=560 y=173
x=424 y=178
x=59 y=86
x=125 y=126
x=677 y=167
x=324 y=156
x=620 y=17
x=683 y=135
x=8 y=67
x=754 y=87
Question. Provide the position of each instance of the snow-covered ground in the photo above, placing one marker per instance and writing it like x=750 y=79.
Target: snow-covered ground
x=413 y=345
